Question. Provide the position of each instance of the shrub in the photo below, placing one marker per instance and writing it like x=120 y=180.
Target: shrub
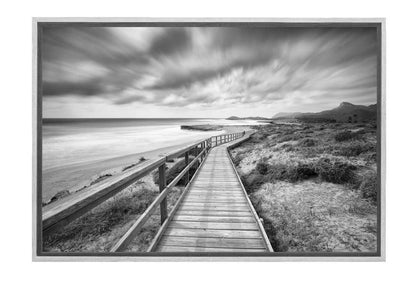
x=368 y=186
x=345 y=135
x=253 y=181
x=305 y=171
x=174 y=171
x=287 y=147
x=307 y=142
x=288 y=138
x=371 y=157
x=262 y=167
x=335 y=172
x=355 y=149
x=291 y=173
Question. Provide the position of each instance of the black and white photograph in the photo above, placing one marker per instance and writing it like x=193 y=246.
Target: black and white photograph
x=204 y=138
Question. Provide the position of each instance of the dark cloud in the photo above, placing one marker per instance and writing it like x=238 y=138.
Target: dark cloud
x=89 y=88
x=173 y=40
x=205 y=66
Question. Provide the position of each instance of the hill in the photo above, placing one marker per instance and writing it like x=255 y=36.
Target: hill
x=345 y=112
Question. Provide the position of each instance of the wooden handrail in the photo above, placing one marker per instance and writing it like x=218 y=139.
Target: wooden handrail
x=62 y=212
x=134 y=229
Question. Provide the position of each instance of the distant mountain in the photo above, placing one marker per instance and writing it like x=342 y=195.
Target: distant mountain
x=247 y=118
x=345 y=112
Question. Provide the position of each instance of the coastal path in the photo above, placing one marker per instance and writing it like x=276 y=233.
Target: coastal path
x=213 y=213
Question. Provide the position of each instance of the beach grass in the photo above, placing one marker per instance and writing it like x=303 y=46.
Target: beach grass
x=99 y=229
x=313 y=185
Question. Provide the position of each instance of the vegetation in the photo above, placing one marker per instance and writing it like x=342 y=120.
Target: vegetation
x=345 y=136
x=314 y=185
x=99 y=229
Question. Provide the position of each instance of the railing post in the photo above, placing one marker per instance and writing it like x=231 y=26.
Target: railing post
x=203 y=147
x=162 y=186
x=186 y=164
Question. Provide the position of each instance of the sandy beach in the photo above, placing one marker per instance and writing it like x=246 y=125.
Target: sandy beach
x=76 y=176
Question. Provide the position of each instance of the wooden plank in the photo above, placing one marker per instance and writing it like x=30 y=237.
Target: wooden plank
x=212 y=203
x=162 y=229
x=215 y=204
x=219 y=190
x=180 y=217
x=214 y=233
x=236 y=198
x=216 y=174
x=214 y=185
x=216 y=188
x=214 y=213
x=214 y=208
x=216 y=191
x=175 y=249
x=218 y=177
x=198 y=186
x=215 y=225
x=134 y=229
x=215 y=168
x=208 y=242
x=219 y=194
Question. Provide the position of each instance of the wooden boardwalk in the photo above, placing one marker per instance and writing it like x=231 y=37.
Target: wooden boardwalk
x=215 y=215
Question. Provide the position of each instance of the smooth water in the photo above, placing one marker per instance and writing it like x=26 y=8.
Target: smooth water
x=75 y=141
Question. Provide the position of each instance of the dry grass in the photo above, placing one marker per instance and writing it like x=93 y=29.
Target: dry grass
x=102 y=227
x=311 y=216
x=314 y=186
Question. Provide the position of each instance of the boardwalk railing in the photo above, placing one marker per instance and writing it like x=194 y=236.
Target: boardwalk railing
x=62 y=212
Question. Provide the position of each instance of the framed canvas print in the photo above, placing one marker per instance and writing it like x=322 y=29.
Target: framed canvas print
x=197 y=139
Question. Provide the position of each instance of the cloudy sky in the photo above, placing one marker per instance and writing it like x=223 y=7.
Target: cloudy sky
x=204 y=72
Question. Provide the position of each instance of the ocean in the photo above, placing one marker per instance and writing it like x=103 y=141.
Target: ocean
x=77 y=141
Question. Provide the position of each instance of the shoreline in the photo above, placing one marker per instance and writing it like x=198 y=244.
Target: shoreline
x=73 y=177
